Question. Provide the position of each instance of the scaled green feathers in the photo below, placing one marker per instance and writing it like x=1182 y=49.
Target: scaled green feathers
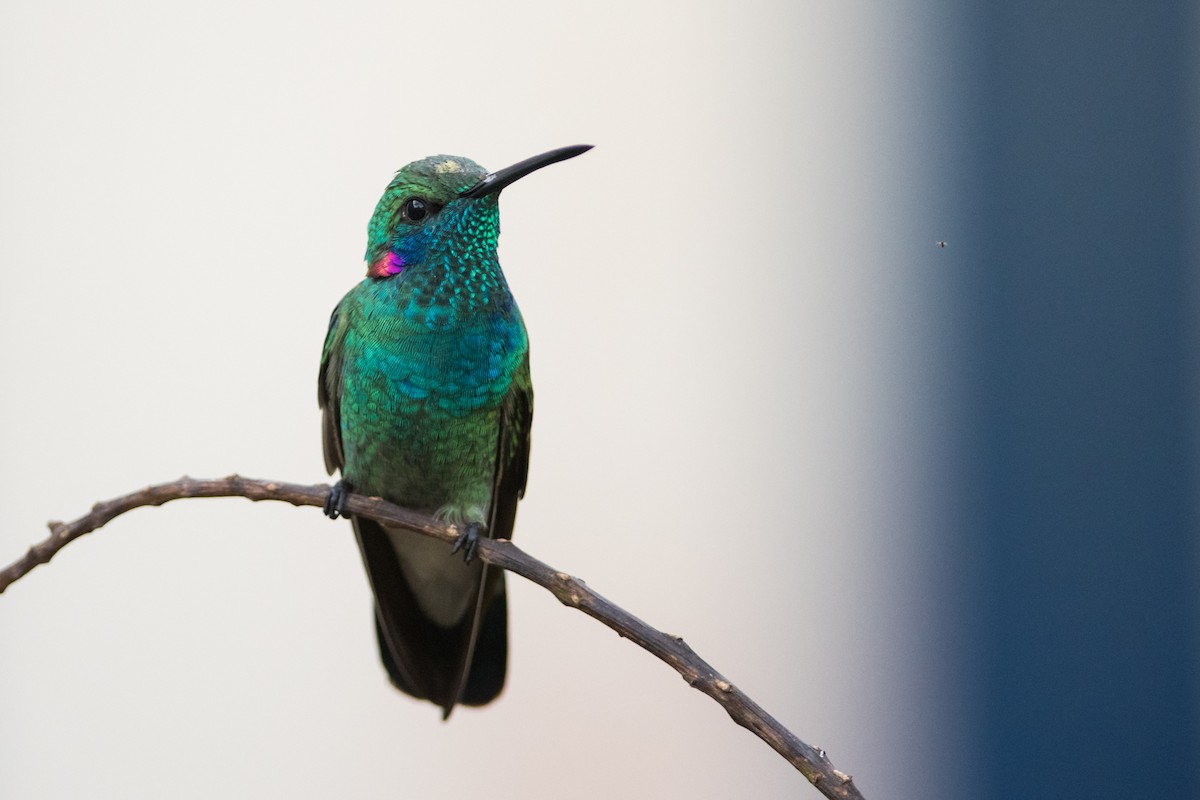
x=427 y=402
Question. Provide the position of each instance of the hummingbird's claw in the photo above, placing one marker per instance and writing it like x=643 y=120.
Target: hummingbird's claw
x=468 y=540
x=335 y=501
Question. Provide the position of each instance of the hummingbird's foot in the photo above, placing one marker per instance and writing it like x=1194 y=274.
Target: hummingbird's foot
x=468 y=540
x=335 y=501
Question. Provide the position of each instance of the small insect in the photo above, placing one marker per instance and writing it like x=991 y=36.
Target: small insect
x=942 y=245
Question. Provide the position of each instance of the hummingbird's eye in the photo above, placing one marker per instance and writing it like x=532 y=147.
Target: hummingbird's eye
x=415 y=209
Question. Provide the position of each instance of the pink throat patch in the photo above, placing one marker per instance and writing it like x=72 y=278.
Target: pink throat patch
x=387 y=266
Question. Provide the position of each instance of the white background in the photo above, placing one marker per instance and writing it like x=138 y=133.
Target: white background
x=735 y=336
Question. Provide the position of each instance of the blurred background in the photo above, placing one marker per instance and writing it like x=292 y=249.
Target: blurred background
x=933 y=507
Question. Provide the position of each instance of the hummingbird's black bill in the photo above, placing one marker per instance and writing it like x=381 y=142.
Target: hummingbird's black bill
x=495 y=181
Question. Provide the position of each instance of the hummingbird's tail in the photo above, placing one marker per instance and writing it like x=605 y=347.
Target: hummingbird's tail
x=488 y=665
x=442 y=639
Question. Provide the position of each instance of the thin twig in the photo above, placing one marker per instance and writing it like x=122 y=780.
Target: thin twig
x=502 y=553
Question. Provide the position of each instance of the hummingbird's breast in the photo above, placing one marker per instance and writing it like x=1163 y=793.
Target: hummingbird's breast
x=422 y=385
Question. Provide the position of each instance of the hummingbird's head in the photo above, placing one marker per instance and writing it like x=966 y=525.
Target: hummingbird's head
x=419 y=206
x=444 y=205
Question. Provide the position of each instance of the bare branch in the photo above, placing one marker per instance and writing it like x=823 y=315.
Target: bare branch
x=502 y=553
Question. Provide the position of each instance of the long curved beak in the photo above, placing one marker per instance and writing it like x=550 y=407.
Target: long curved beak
x=495 y=181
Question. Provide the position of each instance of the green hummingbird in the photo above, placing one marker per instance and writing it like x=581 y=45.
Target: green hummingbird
x=427 y=402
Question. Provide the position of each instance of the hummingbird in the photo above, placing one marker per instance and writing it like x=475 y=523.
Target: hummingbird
x=427 y=402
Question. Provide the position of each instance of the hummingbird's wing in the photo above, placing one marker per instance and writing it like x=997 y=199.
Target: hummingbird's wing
x=329 y=393
x=512 y=453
